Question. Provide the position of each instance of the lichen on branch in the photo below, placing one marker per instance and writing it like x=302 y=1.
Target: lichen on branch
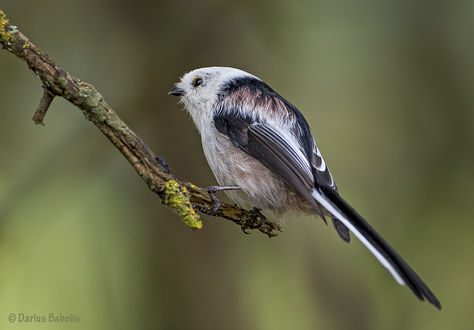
x=177 y=197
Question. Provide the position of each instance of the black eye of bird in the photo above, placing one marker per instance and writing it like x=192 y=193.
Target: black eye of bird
x=197 y=81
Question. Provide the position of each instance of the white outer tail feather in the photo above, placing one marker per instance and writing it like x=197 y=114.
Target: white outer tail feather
x=321 y=199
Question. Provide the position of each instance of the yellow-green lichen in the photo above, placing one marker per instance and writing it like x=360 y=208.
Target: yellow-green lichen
x=3 y=20
x=7 y=31
x=3 y=23
x=177 y=197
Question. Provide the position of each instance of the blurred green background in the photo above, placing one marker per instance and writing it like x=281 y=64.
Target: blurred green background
x=387 y=87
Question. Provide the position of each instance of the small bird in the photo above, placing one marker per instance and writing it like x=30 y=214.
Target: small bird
x=261 y=151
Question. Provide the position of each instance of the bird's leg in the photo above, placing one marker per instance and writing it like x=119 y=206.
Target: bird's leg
x=217 y=203
x=263 y=219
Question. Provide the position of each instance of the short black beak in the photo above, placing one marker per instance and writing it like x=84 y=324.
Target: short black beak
x=176 y=91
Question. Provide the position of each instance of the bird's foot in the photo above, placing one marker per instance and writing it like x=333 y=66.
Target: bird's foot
x=217 y=203
x=262 y=221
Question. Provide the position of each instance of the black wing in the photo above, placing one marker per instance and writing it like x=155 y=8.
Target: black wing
x=321 y=174
x=237 y=129
x=259 y=95
x=265 y=97
x=266 y=144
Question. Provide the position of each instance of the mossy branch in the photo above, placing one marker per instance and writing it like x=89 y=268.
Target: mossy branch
x=185 y=198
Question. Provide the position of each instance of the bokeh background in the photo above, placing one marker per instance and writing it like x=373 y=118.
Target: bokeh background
x=387 y=87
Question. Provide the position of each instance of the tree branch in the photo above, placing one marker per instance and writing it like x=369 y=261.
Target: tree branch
x=45 y=102
x=184 y=197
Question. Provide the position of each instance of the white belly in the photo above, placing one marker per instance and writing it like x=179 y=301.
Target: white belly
x=232 y=166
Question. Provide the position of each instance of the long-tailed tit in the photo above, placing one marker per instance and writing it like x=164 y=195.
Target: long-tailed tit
x=258 y=141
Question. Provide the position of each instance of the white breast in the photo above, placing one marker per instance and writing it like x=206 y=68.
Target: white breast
x=232 y=166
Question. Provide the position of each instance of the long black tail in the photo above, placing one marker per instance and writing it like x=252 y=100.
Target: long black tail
x=403 y=274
